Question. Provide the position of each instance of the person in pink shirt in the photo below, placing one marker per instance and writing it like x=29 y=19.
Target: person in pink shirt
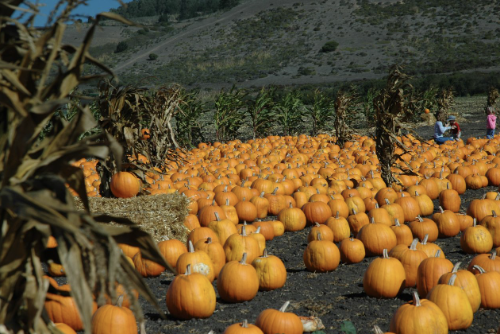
x=491 y=122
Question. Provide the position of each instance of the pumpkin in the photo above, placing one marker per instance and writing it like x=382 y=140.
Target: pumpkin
x=351 y=251
x=492 y=223
x=429 y=271
x=489 y=262
x=454 y=303
x=261 y=240
x=111 y=319
x=410 y=207
x=422 y=227
x=447 y=223
x=64 y=328
x=243 y=328
x=449 y=199
x=403 y=233
x=410 y=260
x=55 y=269
x=380 y=215
x=63 y=308
x=317 y=212
x=125 y=185
x=202 y=233
x=238 y=281
x=339 y=227
x=376 y=237
x=147 y=268
x=430 y=248
x=425 y=204
x=224 y=228
x=190 y=295
x=489 y=286
x=321 y=255
x=357 y=221
x=266 y=229
x=237 y=244
x=171 y=250
x=145 y=135
x=476 y=239
x=214 y=251
x=261 y=204
x=293 y=219
x=272 y=321
x=199 y=260
x=465 y=221
x=395 y=211
x=468 y=282
x=247 y=211
x=320 y=229
x=384 y=278
x=271 y=272
x=419 y=317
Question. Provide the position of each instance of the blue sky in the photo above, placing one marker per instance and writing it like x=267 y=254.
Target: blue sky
x=93 y=7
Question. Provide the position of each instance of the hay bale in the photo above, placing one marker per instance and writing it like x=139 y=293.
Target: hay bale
x=428 y=119
x=162 y=216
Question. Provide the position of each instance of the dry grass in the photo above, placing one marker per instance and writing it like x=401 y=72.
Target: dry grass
x=162 y=216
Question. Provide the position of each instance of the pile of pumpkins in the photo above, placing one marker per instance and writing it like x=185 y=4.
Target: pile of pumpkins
x=244 y=194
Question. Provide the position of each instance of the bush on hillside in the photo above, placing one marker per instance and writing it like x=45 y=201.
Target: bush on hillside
x=330 y=46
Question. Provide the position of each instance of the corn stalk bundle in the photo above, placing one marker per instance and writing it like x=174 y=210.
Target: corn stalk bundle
x=393 y=104
x=37 y=74
x=342 y=103
x=125 y=111
x=492 y=97
x=445 y=100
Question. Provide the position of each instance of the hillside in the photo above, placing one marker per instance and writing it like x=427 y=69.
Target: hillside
x=280 y=42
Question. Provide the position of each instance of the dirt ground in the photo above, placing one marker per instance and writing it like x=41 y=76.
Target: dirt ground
x=334 y=297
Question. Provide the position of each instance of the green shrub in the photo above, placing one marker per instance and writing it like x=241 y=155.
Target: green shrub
x=153 y=56
x=330 y=46
x=122 y=46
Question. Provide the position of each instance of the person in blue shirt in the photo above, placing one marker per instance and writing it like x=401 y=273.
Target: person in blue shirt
x=440 y=128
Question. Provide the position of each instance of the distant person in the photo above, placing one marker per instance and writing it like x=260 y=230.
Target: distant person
x=440 y=129
x=455 y=131
x=491 y=122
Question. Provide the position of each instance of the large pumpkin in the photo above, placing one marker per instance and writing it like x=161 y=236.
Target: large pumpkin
x=111 y=319
x=278 y=321
x=384 y=278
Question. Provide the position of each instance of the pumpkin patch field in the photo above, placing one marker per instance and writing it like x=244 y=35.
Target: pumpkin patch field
x=301 y=223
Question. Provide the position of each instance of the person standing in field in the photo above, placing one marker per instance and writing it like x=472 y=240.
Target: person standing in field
x=440 y=129
x=491 y=122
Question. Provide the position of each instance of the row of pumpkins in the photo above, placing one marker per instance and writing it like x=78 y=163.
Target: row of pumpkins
x=303 y=180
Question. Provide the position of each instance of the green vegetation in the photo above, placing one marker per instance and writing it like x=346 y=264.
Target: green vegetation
x=120 y=47
x=153 y=56
x=330 y=46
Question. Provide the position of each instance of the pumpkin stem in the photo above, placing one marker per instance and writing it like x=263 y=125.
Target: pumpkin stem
x=316 y=224
x=227 y=201
x=441 y=209
x=385 y=255
x=243 y=231
x=190 y=246
x=275 y=190
x=188 y=270
x=493 y=213
x=354 y=211
x=426 y=237
x=217 y=216
x=262 y=194
x=244 y=258
x=244 y=324
x=416 y=193
x=283 y=308
x=290 y=205
x=318 y=236
x=396 y=222
x=209 y=240
x=337 y=215
x=438 y=253
x=456 y=266
x=478 y=268
x=372 y=220
x=416 y=300
x=414 y=243
x=377 y=206
x=119 y=302
x=452 y=279
x=257 y=230
x=377 y=330
x=493 y=254
x=387 y=201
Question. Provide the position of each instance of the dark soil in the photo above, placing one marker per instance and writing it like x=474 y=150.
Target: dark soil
x=334 y=297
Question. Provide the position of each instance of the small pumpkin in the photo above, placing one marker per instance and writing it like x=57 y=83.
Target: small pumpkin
x=125 y=185
x=321 y=255
x=384 y=278
x=243 y=328
x=238 y=281
x=271 y=272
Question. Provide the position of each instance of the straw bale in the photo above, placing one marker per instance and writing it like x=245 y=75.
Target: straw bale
x=162 y=216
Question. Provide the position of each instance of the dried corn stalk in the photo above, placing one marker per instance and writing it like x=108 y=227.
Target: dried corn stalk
x=37 y=74
x=342 y=103
x=445 y=100
x=392 y=105
x=492 y=97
